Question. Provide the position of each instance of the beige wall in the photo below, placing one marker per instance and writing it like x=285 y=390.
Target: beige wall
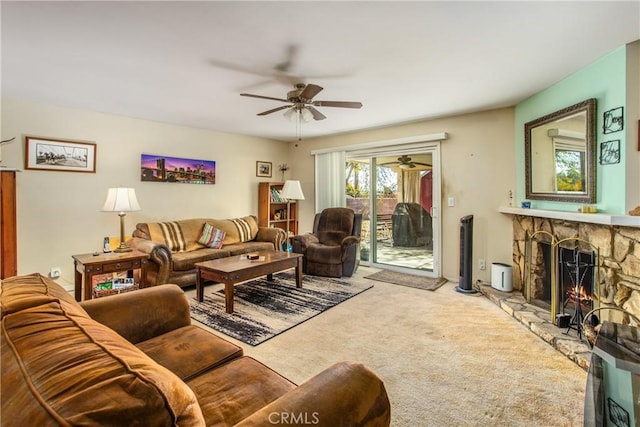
x=477 y=169
x=59 y=212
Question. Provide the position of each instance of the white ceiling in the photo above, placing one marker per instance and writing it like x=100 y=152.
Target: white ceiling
x=405 y=61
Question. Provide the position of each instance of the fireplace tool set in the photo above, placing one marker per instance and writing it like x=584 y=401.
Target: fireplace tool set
x=577 y=272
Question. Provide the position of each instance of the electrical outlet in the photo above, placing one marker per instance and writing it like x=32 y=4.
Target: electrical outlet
x=481 y=264
x=55 y=272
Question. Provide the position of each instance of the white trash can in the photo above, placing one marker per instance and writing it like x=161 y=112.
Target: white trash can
x=501 y=278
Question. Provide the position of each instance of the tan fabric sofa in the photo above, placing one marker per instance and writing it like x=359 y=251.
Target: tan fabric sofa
x=136 y=359
x=173 y=246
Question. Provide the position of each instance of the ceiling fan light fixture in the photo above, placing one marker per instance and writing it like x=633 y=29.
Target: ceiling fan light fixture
x=291 y=114
x=306 y=115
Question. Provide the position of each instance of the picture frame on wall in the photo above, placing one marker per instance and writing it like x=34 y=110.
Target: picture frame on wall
x=610 y=152
x=159 y=168
x=59 y=155
x=613 y=120
x=264 y=169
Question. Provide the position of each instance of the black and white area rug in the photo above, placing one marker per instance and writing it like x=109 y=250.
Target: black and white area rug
x=264 y=309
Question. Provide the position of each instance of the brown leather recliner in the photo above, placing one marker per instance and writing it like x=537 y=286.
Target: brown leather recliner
x=333 y=249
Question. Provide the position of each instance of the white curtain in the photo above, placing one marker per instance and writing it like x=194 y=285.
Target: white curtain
x=411 y=186
x=330 y=180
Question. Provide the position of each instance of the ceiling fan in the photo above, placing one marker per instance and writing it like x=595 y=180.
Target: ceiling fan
x=404 y=162
x=301 y=102
x=281 y=72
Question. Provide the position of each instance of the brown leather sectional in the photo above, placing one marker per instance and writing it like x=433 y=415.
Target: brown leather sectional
x=136 y=359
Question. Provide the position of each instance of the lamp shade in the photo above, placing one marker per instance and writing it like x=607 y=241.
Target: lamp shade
x=121 y=199
x=306 y=115
x=292 y=190
x=291 y=114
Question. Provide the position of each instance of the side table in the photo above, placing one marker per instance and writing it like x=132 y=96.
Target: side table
x=88 y=265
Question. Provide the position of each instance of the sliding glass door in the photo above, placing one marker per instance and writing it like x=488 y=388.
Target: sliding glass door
x=395 y=194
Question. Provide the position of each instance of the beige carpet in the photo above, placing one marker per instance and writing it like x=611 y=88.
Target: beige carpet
x=447 y=358
x=411 y=280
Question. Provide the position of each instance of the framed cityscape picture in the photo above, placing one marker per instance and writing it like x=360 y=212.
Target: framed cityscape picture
x=59 y=155
x=154 y=168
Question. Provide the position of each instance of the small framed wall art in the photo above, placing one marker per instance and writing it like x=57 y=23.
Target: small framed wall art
x=610 y=152
x=263 y=169
x=59 y=155
x=613 y=120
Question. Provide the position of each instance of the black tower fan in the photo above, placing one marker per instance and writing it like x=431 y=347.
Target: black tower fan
x=466 y=255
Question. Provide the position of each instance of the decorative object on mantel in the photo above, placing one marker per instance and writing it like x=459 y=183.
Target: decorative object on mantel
x=610 y=152
x=263 y=169
x=613 y=120
x=635 y=211
x=59 y=155
x=155 y=168
x=590 y=209
x=283 y=168
x=121 y=200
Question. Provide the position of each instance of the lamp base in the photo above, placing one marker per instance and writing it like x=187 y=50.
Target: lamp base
x=123 y=248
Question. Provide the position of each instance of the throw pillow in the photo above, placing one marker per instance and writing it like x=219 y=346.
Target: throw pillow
x=169 y=233
x=246 y=227
x=238 y=230
x=211 y=236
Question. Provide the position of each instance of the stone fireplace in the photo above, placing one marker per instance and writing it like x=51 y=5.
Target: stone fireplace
x=616 y=275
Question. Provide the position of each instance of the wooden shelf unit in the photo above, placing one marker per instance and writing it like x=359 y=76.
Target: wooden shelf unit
x=269 y=208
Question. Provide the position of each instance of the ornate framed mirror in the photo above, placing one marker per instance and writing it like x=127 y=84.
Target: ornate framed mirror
x=560 y=155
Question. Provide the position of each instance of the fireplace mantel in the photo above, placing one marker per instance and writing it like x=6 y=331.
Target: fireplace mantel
x=593 y=218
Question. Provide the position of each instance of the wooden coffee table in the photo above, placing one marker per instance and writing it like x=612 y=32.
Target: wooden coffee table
x=238 y=268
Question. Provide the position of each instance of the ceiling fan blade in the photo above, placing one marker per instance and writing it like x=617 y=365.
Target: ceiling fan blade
x=242 y=69
x=341 y=104
x=264 y=113
x=292 y=51
x=264 y=97
x=317 y=115
x=309 y=92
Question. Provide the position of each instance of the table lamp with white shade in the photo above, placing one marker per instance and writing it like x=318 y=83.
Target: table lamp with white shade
x=121 y=200
x=291 y=190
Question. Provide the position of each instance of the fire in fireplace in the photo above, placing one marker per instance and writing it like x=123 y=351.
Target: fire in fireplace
x=563 y=280
x=576 y=285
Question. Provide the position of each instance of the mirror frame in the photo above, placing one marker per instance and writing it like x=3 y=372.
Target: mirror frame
x=587 y=196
